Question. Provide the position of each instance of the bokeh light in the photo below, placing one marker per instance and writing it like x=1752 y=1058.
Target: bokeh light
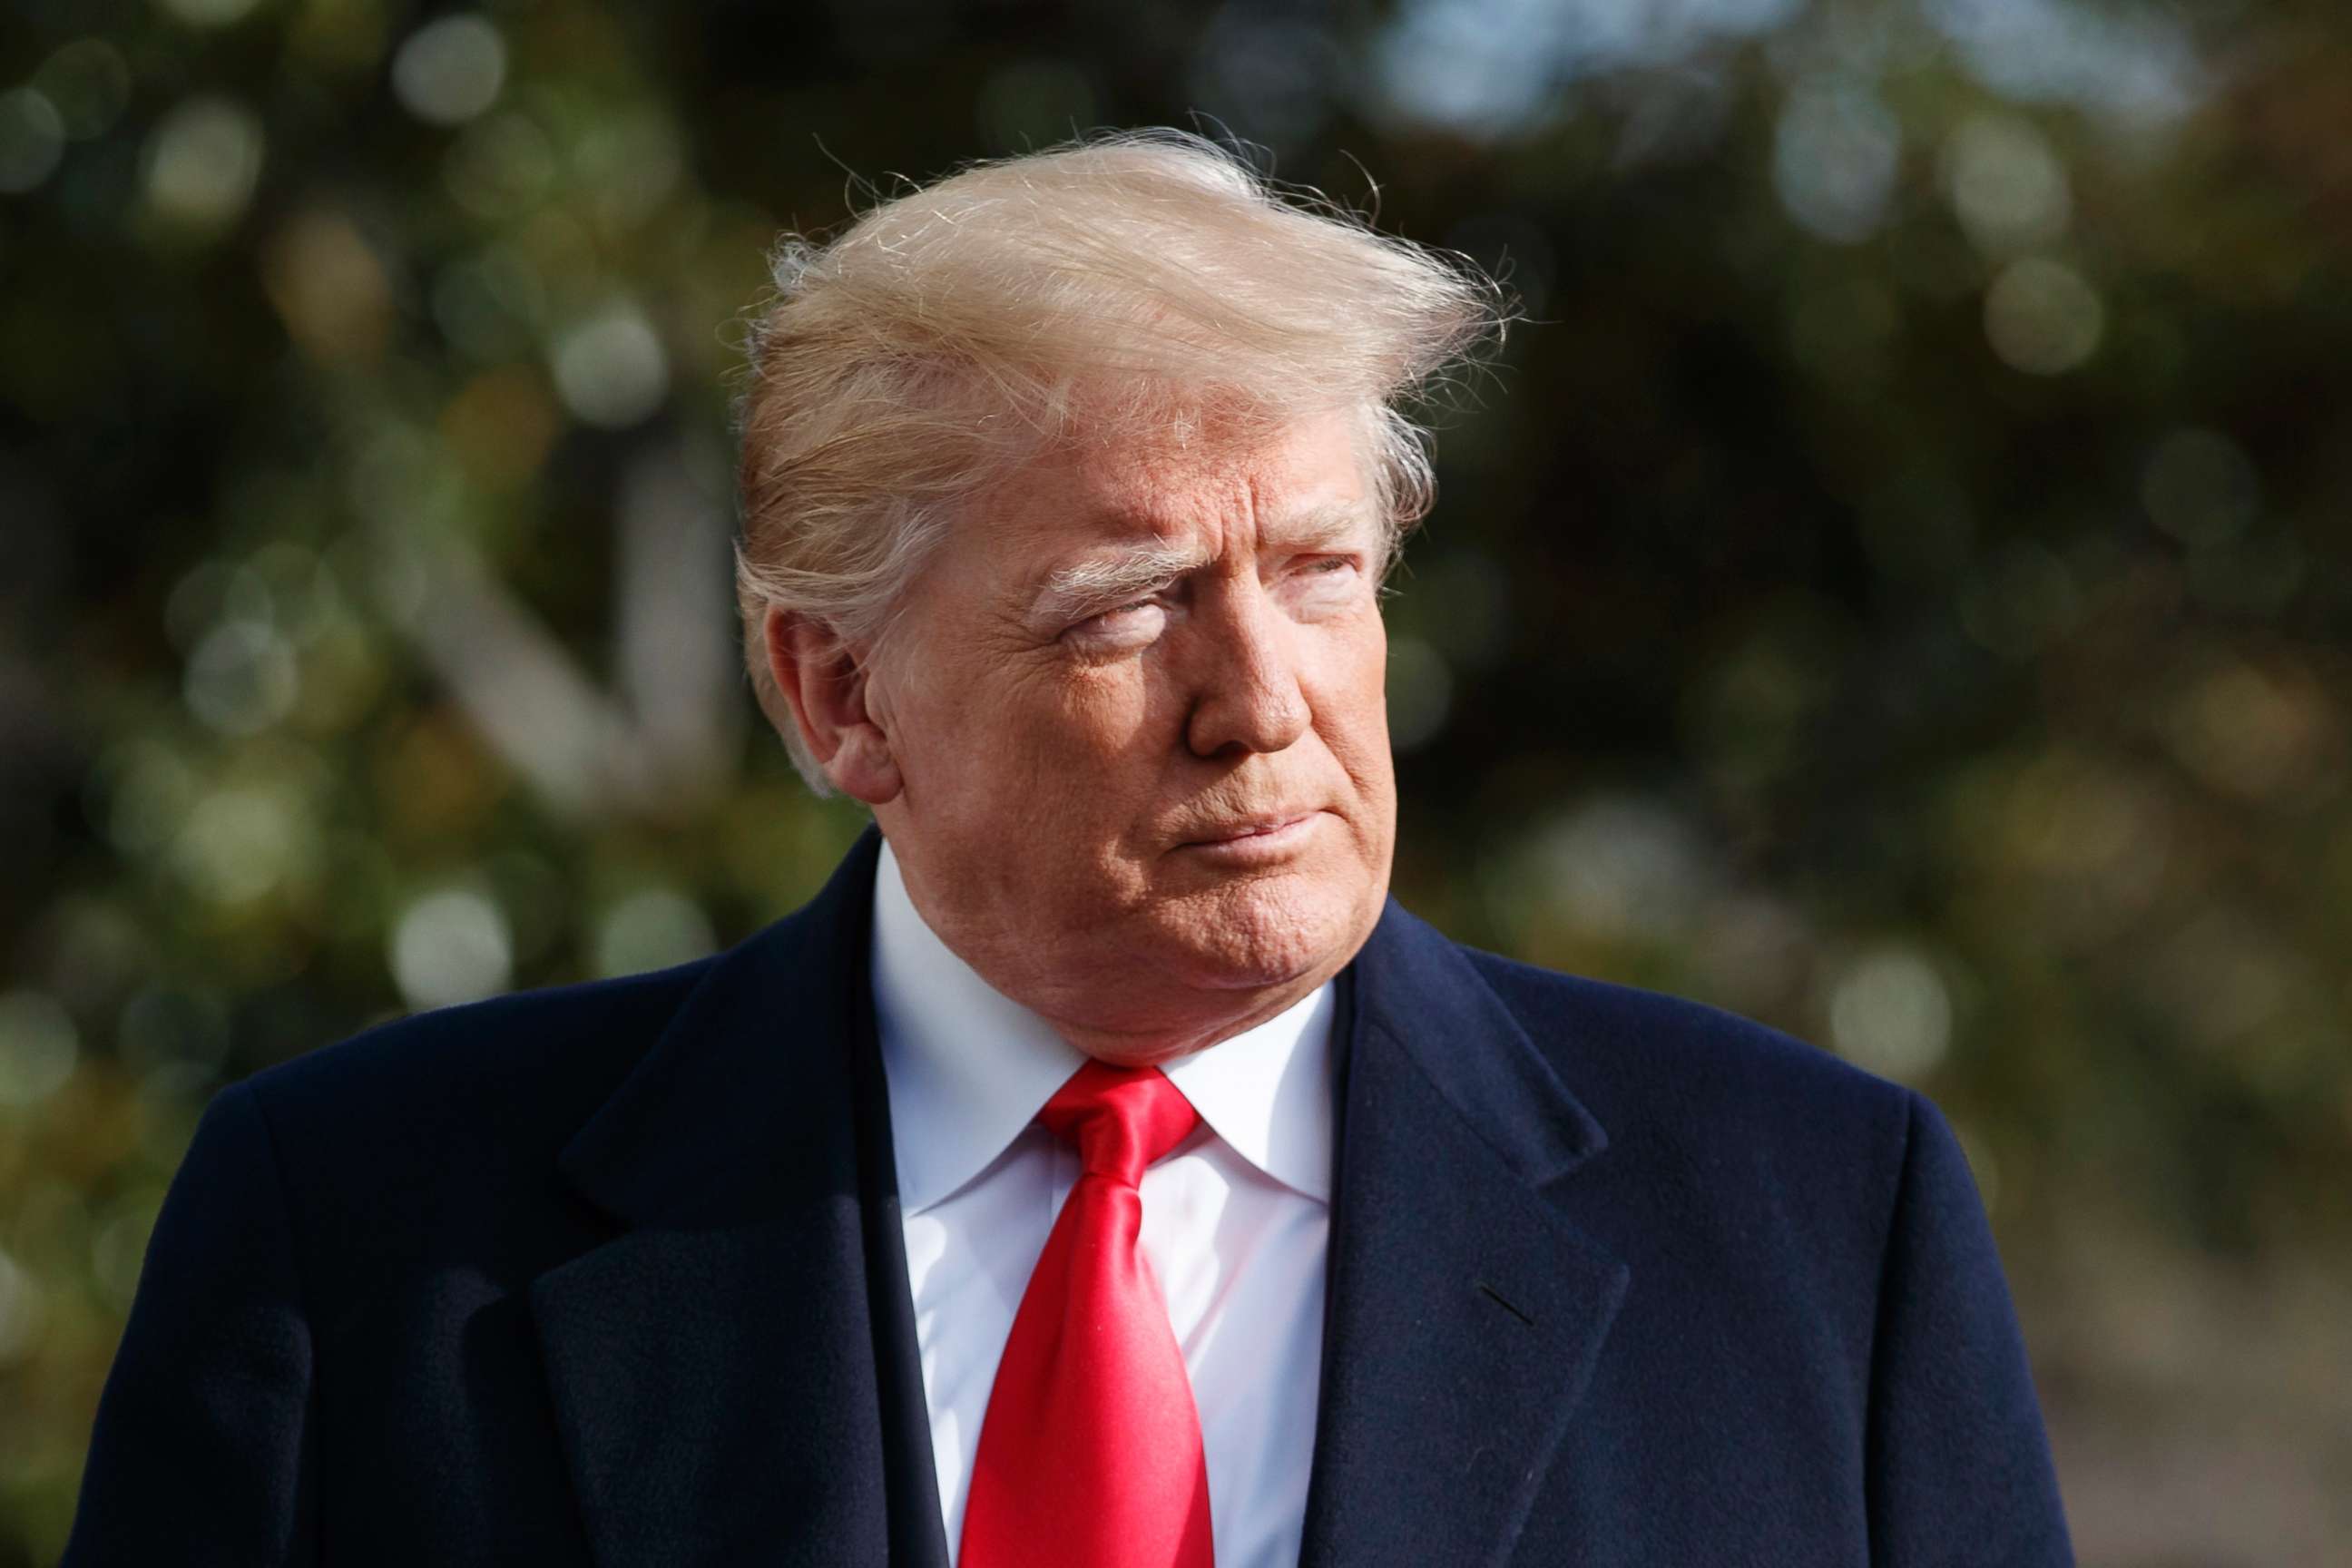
x=32 y=139
x=653 y=928
x=611 y=369
x=2007 y=186
x=450 y=69
x=1834 y=155
x=20 y=1310
x=1890 y=1012
x=1890 y=582
x=1420 y=691
x=451 y=946
x=204 y=161
x=242 y=678
x=39 y=1045
x=87 y=81
x=2043 y=318
x=208 y=13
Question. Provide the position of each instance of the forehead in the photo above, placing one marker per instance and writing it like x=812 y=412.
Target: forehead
x=1308 y=469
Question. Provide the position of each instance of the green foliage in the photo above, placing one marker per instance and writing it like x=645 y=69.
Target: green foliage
x=1893 y=584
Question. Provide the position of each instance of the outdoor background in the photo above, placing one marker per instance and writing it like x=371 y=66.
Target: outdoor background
x=1895 y=587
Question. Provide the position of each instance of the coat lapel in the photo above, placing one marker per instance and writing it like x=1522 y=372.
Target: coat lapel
x=1466 y=1313
x=713 y=1367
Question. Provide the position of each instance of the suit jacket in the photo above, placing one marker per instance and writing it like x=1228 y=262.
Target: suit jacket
x=613 y=1274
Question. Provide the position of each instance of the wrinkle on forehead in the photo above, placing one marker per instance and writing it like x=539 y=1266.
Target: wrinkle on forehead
x=1204 y=450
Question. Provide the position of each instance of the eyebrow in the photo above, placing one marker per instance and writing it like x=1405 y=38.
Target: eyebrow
x=1105 y=581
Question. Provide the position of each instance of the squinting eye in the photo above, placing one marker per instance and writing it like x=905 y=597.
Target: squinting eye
x=1117 y=617
x=1121 y=624
x=1329 y=565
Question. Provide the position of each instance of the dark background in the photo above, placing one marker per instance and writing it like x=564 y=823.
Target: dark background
x=1894 y=585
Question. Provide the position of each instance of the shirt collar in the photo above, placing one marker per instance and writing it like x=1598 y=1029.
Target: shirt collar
x=968 y=1068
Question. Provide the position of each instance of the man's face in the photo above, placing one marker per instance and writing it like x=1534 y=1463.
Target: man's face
x=1136 y=711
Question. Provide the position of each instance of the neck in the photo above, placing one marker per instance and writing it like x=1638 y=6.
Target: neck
x=1160 y=1042
x=1120 y=1019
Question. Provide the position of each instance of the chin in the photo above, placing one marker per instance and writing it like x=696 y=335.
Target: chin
x=1269 y=930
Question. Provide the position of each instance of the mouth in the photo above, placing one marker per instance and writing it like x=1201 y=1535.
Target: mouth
x=1253 y=832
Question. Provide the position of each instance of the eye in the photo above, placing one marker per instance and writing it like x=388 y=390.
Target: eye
x=1119 y=614
x=1314 y=586
x=1130 y=625
x=1325 y=574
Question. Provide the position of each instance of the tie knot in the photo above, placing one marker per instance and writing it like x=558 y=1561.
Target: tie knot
x=1121 y=1119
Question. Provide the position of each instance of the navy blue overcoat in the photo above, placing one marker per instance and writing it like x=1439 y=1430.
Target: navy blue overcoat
x=612 y=1274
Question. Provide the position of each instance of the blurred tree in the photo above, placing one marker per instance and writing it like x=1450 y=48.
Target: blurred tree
x=1893 y=584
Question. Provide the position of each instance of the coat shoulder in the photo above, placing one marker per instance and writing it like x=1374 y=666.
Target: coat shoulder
x=1649 y=1063
x=435 y=1137
x=1743 y=1167
x=517 y=1055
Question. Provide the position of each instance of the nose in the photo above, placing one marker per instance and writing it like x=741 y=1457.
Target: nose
x=1248 y=693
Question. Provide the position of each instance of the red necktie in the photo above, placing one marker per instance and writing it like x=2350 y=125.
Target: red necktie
x=1090 y=1454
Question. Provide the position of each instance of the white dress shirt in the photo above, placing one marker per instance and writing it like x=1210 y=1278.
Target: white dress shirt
x=1235 y=1221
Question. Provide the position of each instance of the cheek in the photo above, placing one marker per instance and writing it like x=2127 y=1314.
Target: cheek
x=1058 y=739
x=1128 y=704
x=1354 y=700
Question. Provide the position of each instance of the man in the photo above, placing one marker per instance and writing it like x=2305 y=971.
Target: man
x=1101 y=1169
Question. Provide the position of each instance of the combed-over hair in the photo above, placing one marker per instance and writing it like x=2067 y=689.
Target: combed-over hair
x=1135 y=287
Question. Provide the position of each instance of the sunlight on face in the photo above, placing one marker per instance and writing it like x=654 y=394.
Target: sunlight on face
x=1140 y=719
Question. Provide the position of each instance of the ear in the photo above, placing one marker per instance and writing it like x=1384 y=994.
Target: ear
x=824 y=682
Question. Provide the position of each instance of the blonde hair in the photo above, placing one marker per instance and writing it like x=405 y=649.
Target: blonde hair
x=1138 y=288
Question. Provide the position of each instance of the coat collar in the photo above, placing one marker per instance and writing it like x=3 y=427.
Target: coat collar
x=1465 y=1311
x=718 y=1372
x=692 y=1140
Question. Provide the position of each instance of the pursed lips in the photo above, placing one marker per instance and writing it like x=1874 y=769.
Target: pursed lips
x=1235 y=830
